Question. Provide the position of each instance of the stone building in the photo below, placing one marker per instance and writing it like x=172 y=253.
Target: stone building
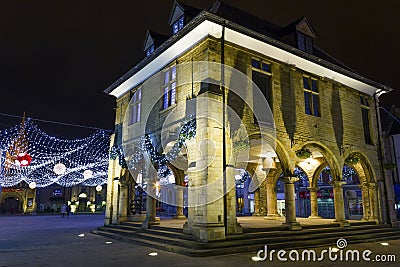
x=266 y=101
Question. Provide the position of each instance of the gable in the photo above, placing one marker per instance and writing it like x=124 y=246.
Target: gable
x=305 y=27
x=176 y=13
x=149 y=41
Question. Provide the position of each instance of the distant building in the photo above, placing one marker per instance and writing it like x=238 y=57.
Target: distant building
x=320 y=157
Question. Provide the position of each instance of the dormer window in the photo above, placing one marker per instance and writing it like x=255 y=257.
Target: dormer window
x=150 y=50
x=178 y=25
x=304 y=42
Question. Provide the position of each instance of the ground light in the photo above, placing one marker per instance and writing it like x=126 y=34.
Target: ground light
x=153 y=254
x=385 y=244
x=108 y=242
x=81 y=235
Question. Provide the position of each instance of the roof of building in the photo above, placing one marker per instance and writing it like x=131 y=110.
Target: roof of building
x=251 y=25
x=154 y=38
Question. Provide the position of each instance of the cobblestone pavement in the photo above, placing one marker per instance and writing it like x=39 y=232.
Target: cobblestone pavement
x=56 y=241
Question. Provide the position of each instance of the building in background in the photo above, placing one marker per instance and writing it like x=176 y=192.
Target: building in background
x=322 y=160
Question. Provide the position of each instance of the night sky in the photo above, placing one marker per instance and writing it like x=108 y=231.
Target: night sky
x=57 y=57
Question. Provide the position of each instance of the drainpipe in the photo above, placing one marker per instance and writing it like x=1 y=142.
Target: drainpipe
x=386 y=217
x=222 y=87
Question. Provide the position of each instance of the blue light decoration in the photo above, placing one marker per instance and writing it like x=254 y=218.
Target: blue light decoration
x=78 y=155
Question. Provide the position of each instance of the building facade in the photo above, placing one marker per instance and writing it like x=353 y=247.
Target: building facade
x=314 y=154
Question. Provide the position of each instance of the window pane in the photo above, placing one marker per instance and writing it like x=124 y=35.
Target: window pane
x=367 y=132
x=307 y=105
x=366 y=101
x=173 y=93
x=305 y=83
x=175 y=28
x=309 y=45
x=173 y=72
x=180 y=26
x=138 y=112
x=316 y=105
x=314 y=85
x=266 y=67
x=166 y=77
x=361 y=100
x=133 y=114
x=139 y=92
x=300 y=41
x=165 y=105
x=134 y=97
x=255 y=63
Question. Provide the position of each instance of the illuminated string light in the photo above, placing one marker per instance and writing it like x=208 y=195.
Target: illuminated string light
x=47 y=152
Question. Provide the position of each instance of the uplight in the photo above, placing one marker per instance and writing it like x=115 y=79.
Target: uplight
x=108 y=242
x=81 y=235
x=385 y=244
x=153 y=254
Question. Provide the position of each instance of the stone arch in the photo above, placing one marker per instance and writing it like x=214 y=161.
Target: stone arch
x=21 y=198
x=363 y=168
x=316 y=174
x=329 y=156
x=282 y=153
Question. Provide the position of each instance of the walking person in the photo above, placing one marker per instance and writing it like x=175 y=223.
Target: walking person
x=63 y=210
x=68 y=210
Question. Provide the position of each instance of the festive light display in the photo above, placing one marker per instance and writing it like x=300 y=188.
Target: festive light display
x=49 y=160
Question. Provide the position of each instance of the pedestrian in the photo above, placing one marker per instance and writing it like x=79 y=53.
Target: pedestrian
x=63 y=210
x=68 y=210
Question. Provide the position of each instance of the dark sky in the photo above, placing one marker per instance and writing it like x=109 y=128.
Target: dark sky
x=57 y=57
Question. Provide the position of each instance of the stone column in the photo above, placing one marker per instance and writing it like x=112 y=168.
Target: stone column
x=179 y=203
x=339 y=203
x=207 y=186
x=113 y=168
x=123 y=202
x=373 y=196
x=263 y=199
x=150 y=205
x=314 y=203
x=256 y=202
x=115 y=201
x=272 y=207
x=365 y=201
x=233 y=227
x=290 y=203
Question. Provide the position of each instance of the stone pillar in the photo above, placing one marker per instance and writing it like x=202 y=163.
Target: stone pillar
x=257 y=202
x=123 y=202
x=339 y=203
x=150 y=205
x=272 y=207
x=233 y=227
x=290 y=203
x=373 y=196
x=314 y=203
x=365 y=201
x=263 y=198
x=179 y=203
x=115 y=201
x=207 y=186
x=112 y=170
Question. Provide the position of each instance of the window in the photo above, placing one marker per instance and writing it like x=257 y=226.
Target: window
x=169 y=97
x=311 y=96
x=261 y=76
x=305 y=42
x=178 y=25
x=150 y=50
x=365 y=119
x=136 y=106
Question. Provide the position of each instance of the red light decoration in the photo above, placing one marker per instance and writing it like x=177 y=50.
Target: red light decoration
x=23 y=159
